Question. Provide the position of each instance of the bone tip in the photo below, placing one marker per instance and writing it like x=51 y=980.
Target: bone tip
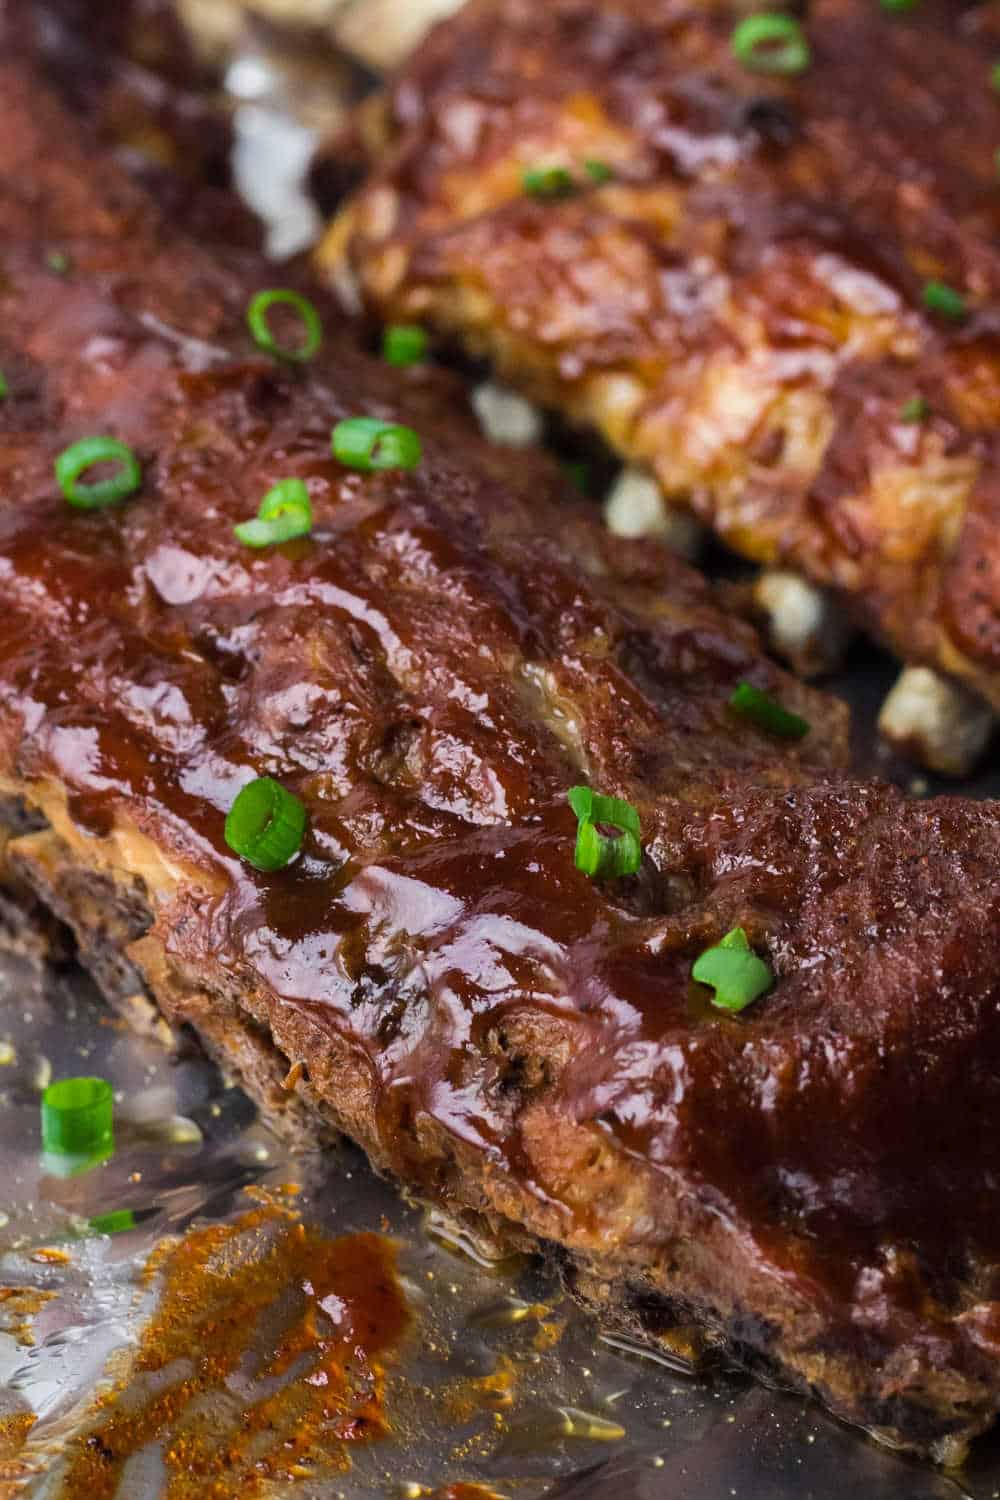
x=936 y=721
x=804 y=624
x=636 y=506
x=506 y=417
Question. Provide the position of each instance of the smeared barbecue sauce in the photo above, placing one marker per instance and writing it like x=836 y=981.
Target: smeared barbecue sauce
x=223 y=1423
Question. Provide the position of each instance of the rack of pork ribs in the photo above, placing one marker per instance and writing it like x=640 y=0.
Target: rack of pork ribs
x=776 y=294
x=812 y=1184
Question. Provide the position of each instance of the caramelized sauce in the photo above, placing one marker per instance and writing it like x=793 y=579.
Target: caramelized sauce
x=226 y=1425
x=450 y=652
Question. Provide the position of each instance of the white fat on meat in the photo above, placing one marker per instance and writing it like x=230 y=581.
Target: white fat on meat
x=936 y=721
x=637 y=506
x=804 y=625
x=506 y=417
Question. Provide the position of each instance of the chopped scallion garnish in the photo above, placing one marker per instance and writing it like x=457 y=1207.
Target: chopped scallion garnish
x=115 y=1222
x=266 y=824
x=771 y=42
x=79 y=457
x=600 y=855
x=598 y=171
x=995 y=76
x=257 y=321
x=404 y=344
x=366 y=443
x=78 y=1117
x=733 y=971
x=763 y=711
x=547 y=182
x=4 y=388
x=897 y=6
x=578 y=474
x=914 y=410
x=285 y=512
x=941 y=298
x=58 y=261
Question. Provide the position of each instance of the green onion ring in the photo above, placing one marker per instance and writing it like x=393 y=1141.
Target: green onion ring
x=368 y=444
x=943 y=299
x=115 y=1222
x=547 y=182
x=404 y=344
x=598 y=855
x=736 y=974
x=266 y=824
x=83 y=455
x=598 y=171
x=257 y=321
x=77 y=1117
x=771 y=42
x=914 y=410
x=750 y=703
x=285 y=512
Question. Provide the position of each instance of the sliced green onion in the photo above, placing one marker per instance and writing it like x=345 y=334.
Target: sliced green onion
x=995 y=76
x=578 y=474
x=79 y=457
x=736 y=974
x=58 y=261
x=266 y=824
x=771 y=43
x=914 y=410
x=77 y=1117
x=899 y=5
x=763 y=711
x=367 y=444
x=4 y=387
x=941 y=298
x=118 y=1220
x=257 y=321
x=404 y=344
x=597 y=854
x=547 y=182
x=598 y=171
x=285 y=512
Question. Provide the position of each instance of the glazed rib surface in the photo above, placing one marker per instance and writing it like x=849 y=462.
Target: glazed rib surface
x=738 y=303
x=813 y=1183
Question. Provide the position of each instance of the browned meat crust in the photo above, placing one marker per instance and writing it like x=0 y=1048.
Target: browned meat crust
x=740 y=305
x=814 y=1183
x=131 y=66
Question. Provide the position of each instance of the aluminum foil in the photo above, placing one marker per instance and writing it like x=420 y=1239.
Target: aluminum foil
x=575 y=1415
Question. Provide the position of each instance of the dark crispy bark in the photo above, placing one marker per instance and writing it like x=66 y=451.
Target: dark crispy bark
x=739 y=305
x=813 y=1182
